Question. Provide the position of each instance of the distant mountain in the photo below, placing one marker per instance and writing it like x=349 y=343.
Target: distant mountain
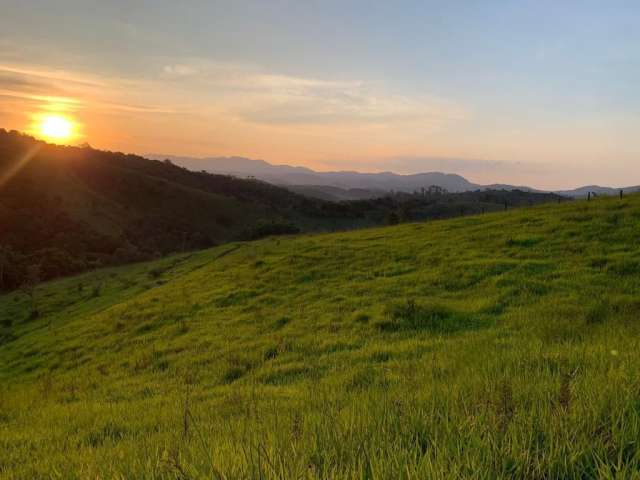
x=348 y=185
x=289 y=176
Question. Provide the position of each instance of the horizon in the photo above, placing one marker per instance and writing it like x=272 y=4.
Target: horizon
x=468 y=178
x=545 y=97
x=157 y=156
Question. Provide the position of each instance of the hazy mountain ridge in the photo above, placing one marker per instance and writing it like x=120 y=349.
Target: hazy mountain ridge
x=286 y=175
x=349 y=185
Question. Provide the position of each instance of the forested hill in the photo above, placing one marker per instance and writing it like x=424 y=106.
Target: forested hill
x=68 y=209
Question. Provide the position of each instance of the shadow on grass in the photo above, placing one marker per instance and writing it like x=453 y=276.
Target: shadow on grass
x=411 y=316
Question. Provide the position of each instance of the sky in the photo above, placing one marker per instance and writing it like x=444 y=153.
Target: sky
x=539 y=93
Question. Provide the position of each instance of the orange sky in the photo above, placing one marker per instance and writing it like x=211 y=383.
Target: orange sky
x=547 y=97
x=370 y=130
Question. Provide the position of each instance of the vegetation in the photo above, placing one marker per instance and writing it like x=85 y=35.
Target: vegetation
x=436 y=203
x=68 y=210
x=495 y=346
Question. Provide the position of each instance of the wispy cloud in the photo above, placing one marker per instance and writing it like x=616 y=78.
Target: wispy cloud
x=246 y=93
x=50 y=74
x=65 y=90
x=233 y=107
x=253 y=95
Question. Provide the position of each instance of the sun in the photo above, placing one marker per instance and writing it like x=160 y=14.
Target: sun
x=56 y=128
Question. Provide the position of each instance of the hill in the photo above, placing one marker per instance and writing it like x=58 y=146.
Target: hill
x=495 y=346
x=69 y=209
x=65 y=210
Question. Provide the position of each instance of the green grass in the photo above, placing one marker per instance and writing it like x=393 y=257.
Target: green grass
x=497 y=346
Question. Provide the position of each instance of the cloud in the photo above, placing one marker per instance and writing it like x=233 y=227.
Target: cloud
x=62 y=103
x=348 y=106
x=233 y=91
x=50 y=74
x=62 y=90
x=46 y=89
x=238 y=108
x=36 y=91
x=253 y=95
x=180 y=70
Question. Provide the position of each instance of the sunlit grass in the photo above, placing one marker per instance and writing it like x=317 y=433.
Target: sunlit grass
x=500 y=346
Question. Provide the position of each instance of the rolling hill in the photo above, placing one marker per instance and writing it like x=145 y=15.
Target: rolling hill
x=495 y=346
x=69 y=209
x=65 y=209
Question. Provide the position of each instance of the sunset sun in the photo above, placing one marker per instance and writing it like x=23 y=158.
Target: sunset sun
x=56 y=128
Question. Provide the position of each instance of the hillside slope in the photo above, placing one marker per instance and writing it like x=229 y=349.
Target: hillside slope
x=70 y=209
x=495 y=346
x=64 y=210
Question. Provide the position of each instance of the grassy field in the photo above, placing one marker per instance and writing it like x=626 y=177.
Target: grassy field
x=496 y=346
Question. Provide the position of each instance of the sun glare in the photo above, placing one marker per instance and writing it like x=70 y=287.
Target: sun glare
x=56 y=128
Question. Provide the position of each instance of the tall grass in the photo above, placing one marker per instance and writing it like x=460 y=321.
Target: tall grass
x=501 y=346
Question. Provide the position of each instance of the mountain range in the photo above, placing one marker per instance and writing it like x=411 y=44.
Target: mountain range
x=351 y=185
